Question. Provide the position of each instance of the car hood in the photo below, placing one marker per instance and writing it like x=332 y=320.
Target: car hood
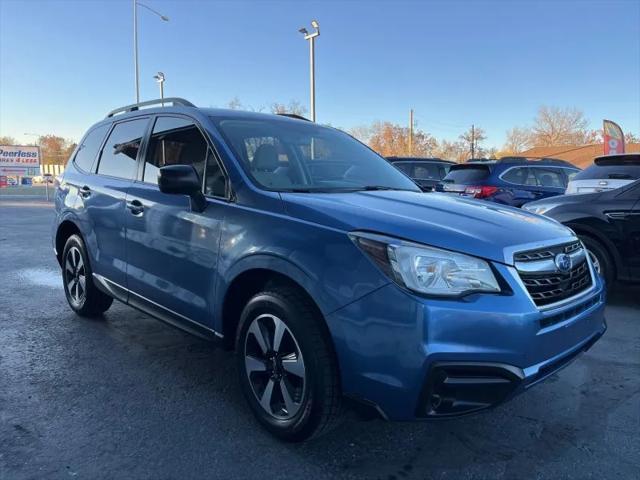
x=480 y=228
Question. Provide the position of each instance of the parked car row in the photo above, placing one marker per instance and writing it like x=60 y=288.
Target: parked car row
x=600 y=204
x=326 y=269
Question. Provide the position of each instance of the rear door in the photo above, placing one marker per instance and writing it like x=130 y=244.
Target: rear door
x=550 y=181
x=104 y=198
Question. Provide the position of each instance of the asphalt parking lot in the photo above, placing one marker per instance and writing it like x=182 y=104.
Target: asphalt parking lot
x=129 y=397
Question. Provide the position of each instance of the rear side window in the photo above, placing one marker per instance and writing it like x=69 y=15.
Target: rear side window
x=605 y=172
x=549 y=177
x=520 y=176
x=121 y=149
x=467 y=174
x=175 y=141
x=88 y=149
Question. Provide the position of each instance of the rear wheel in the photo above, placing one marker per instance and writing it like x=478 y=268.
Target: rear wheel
x=600 y=258
x=286 y=365
x=83 y=296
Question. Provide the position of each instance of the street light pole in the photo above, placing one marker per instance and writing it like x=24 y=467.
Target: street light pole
x=312 y=67
x=160 y=79
x=135 y=40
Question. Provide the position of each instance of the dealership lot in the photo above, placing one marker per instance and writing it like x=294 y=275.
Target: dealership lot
x=131 y=397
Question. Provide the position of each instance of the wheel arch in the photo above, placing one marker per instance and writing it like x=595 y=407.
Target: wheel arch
x=254 y=275
x=63 y=232
x=594 y=234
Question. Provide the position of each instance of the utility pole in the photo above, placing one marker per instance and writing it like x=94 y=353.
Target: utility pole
x=473 y=141
x=411 y=132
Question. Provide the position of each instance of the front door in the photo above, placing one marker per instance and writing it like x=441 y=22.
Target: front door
x=172 y=251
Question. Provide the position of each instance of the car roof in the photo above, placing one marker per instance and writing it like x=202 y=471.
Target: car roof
x=510 y=161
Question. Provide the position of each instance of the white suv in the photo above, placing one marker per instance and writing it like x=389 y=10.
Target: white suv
x=607 y=173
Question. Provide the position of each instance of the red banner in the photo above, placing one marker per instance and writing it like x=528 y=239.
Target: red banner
x=613 y=138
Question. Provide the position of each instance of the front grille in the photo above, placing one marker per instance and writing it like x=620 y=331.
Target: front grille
x=547 y=287
x=545 y=253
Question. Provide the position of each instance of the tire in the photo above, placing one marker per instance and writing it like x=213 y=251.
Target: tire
x=602 y=261
x=83 y=296
x=302 y=367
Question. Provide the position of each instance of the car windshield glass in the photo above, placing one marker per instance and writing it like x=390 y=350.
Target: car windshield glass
x=620 y=172
x=467 y=173
x=285 y=155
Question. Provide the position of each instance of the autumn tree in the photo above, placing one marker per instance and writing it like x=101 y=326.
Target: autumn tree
x=630 y=137
x=390 y=139
x=560 y=126
x=55 y=149
x=452 y=150
x=6 y=140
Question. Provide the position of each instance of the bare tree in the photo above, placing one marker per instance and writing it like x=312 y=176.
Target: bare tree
x=294 y=107
x=630 y=137
x=472 y=138
x=389 y=139
x=518 y=140
x=455 y=151
x=558 y=126
x=6 y=140
x=234 y=104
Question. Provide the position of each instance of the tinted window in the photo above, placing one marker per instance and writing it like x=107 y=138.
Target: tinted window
x=423 y=170
x=467 y=174
x=520 y=176
x=283 y=154
x=121 y=149
x=89 y=147
x=549 y=177
x=174 y=141
x=620 y=172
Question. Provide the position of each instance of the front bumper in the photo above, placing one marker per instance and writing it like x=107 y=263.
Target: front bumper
x=416 y=358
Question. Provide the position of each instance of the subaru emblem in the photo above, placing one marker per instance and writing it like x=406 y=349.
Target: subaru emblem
x=563 y=262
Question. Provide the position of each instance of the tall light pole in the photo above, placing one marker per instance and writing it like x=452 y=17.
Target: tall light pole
x=135 y=39
x=312 y=80
x=160 y=79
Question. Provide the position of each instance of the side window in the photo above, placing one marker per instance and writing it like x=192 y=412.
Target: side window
x=406 y=168
x=88 y=149
x=215 y=183
x=517 y=175
x=174 y=141
x=549 y=177
x=119 y=154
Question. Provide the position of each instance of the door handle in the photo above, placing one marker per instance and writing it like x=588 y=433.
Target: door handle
x=85 y=191
x=136 y=207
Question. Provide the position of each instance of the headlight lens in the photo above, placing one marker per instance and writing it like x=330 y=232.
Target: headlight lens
x=428 y=270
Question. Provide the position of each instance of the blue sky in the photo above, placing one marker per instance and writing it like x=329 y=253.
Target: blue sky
x=64 y=64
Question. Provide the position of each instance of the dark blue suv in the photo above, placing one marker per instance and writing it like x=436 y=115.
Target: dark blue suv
x=324 y=267
x=511 y=180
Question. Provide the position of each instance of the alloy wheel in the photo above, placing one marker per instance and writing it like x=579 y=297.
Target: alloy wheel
x=75 y=276
x=595 y=262
x=274 y=366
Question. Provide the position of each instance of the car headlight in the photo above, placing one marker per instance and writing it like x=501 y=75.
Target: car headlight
x=428 y=270
x=540 y=209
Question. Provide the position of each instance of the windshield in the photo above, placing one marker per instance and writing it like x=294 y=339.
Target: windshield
x=284 y=155
x=467 y=173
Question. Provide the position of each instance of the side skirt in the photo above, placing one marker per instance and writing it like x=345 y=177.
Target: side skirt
x=155 y=310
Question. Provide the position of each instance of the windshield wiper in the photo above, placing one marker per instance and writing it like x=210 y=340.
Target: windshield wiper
x=375 y=188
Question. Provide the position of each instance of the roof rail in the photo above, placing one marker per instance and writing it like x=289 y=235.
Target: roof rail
x=161 y=101
x=293 y=115
x=538 y=160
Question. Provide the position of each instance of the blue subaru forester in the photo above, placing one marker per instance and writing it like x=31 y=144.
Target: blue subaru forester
x=325 y=268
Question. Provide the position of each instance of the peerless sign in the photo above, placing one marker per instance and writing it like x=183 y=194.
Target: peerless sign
x=19 y=156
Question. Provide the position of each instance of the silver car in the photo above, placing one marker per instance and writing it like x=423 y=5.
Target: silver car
x=607 y=173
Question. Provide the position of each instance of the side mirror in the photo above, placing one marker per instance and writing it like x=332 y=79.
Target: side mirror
x=182 y=180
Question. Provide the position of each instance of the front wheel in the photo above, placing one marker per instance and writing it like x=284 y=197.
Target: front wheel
x=600 y=258
x=83 y=296
x=286 y=365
